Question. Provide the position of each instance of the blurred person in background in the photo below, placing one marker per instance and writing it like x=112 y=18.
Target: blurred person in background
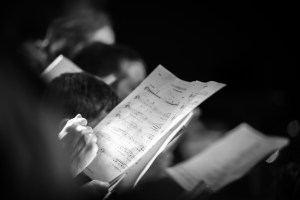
x=119 y=66
x=68 y=34
x=35 y=160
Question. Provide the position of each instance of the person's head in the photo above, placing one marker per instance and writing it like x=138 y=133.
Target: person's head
x=119 y=66
x=68 y=34
x=81 y=93
x=33 y=163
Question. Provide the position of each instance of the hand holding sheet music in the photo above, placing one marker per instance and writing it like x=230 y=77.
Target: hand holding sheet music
x=129 y=131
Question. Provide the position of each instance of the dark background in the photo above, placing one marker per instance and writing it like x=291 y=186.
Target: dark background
x=252 y=46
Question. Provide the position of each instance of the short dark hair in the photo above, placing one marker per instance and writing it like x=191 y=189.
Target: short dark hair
x=103 y=59
x=80 y=93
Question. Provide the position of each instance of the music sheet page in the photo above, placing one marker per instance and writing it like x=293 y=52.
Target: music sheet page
x=138 y=122
x=227 y=159
x=59 y=66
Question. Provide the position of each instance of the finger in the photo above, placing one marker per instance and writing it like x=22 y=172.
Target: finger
x=84 y=157
x=93 y=138
x=79 y=133
x=72 y=126
x=83 y=135
x=73 y=133
x=97 y=188
x=84 y=130
x=90 y=139
x=85 y=144
x=100 y=184
x=89 y=152
x=77 y=140
x=62 y=128
x=78 y=116
x=80 y=120
x=197 y=112
x=76 y=148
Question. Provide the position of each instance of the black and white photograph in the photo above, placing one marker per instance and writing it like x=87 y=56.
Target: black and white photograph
x=149 y=100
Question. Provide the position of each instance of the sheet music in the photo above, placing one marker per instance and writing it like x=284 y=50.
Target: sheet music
x=138 y=122
x=228 y=159
x=59 y=66
x=199 y=93
x=136 y=171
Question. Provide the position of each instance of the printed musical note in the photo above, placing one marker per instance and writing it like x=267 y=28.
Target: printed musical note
x=169 y=98
x=142 y=119
x=147 y=88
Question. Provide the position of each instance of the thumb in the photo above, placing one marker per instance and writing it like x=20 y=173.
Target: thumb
x=97 y=188
x=78 y=116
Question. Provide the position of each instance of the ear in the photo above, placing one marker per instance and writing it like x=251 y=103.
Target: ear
x=109 y=79
x=63 y=123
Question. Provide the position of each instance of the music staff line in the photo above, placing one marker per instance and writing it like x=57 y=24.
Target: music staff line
x=147 y=88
